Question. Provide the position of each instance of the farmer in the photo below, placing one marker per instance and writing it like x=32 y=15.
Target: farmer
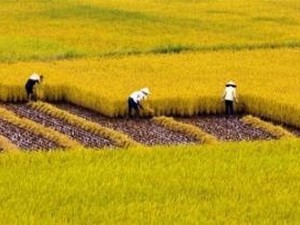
x=134 y=101
x=229 y=96
x=33 y=79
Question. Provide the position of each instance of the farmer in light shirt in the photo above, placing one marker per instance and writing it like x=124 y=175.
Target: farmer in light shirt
x=33 y=79
x=229 y=96
x=134 y=101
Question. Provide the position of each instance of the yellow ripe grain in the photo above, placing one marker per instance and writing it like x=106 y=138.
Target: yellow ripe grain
x=6 y=145
x=89 y=28
x=268 y=82
x=277 y=131
x=188 y=129
x=118 y=138
x=57 y=137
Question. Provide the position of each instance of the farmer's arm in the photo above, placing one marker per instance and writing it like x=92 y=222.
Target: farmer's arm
x=235 y=96
x=140 y=98
x=140 y=105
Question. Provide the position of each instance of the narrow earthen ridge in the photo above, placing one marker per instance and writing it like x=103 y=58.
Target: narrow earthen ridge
x=118 y=138
x=7 y=145
x=277 y=131
x=186 y=129
x=48 y=133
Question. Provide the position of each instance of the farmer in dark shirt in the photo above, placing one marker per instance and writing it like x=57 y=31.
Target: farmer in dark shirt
x=33 y=79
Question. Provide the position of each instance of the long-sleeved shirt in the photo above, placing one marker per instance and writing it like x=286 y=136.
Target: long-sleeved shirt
x=229 y=93
x=138 y=96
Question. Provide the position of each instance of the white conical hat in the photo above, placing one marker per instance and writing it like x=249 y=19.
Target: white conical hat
x=145 y=90
x=35 y=76
x=230 y=83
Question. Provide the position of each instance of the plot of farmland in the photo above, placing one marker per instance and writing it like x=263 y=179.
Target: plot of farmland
x=84 y=137
x=292 y=129
x=228 y=129
x=142 y=130
x=88 y=164
x=24 y=138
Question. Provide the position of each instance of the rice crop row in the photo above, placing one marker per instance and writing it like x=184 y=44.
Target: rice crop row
x=6 y=144
x=188 y=129
x=85 y=138
x=184 y=84
x=277 y=131
x=59 y=138
x=118 y=138
x=156 y=131
x=142 y=130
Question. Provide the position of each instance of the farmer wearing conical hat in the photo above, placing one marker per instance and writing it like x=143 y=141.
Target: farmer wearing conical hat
x=229 y=96
x=135 y=99
x=31 y=82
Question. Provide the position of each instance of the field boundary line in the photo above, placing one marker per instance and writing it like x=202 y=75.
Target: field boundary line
x=275 y=130
x=60 y=139
x=6 y=145
x=168 y=49
x=118 y=138
x=181 y=48
x=187 y=129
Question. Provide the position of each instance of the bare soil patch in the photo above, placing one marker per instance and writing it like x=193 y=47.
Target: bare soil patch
x=84 y=137
x=23 y=138
x=228 y=128
x=142 y=130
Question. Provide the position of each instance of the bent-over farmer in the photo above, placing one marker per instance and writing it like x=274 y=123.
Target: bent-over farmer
x=33 y=79
x=229 y=96
x=134 y=101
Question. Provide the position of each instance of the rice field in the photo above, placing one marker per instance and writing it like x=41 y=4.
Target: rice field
x=75 y=157
x=236 y=183
x=182 y=84
x=49 y=30
x=83 y=127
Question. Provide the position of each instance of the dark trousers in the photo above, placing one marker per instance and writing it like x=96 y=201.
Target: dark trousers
x=229 y=108
x=132 y=105
x=29 y=86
